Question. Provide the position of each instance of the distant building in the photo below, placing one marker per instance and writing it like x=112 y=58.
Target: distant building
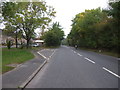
x=4 y=39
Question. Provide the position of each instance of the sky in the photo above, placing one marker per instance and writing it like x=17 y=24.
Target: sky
x=67 y=9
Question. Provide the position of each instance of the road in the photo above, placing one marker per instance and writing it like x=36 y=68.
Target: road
x=70 y=68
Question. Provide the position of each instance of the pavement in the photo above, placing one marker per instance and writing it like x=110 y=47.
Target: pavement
x=70 y=68
x=19 y=75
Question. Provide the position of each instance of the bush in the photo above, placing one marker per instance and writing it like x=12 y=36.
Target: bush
x=54 y=36
x=51 y=39
x=9 y=44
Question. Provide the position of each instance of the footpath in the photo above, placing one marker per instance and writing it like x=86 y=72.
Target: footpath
x=21 y=74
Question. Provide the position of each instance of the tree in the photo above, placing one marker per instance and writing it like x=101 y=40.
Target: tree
x=97 y=28
x=114 y=24
x=54 y=36
x=51 y=39
x=27 y=16
x=8 y=12
x=114 y=11
x=58 y=29
x=83 y=33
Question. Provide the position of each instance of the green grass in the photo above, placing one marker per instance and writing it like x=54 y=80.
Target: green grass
x=37 y=48
x=14 y=56
x=105 y=52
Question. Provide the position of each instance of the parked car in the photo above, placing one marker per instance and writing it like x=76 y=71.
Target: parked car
x=35 y=45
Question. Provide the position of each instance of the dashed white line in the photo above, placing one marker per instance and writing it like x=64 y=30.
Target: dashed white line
x=111 y=72
x=74 y=52
x=89 y=60
x=94 y=63
x=79 y=54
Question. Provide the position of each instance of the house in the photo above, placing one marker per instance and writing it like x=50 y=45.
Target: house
x=4 y=39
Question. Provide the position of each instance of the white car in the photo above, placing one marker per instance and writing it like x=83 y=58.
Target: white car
x=35 y=45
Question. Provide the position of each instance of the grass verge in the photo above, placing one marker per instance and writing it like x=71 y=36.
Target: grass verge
x=14 y=56
x=37 y=48
x=105 y=52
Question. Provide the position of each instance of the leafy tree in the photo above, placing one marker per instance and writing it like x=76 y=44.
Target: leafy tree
x=83 y=33
x=51 y=39
x=54 y=36
x=97 y=28
x=115 y=10
x=27 y=16
x=64 y=42
x=115 y=13
x=58 y=29
x=114 y=24
x=8 y=12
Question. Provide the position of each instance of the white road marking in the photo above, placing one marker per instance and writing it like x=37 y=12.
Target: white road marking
x=52 y=53
x=43 y=55
x=74 y=52
x=45 y=50
x=79 y=54
x=89 y=60
x=111 y=72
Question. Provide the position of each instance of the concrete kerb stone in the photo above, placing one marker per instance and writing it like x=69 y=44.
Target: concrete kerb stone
x=32 y=76
x=23 y=85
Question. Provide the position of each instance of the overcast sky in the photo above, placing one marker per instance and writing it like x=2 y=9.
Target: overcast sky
x=67 y=9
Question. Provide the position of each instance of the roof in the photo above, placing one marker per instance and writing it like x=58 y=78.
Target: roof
x=39 y=41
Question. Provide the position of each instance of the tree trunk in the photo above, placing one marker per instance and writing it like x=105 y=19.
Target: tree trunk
x=16 y=41
x=28 y=43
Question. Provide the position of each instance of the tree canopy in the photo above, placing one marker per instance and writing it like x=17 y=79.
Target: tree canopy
x=97 y=28
x=54 y=36
x=27 y=16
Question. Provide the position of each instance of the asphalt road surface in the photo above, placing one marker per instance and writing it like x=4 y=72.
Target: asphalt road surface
x=70 y=68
